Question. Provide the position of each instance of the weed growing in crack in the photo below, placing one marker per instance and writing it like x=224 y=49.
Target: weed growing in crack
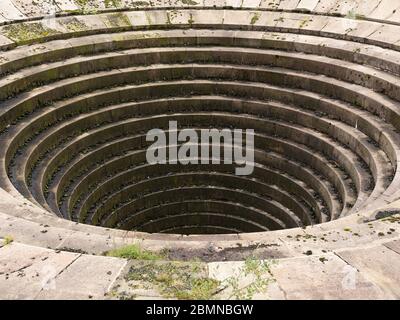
x=261 y=277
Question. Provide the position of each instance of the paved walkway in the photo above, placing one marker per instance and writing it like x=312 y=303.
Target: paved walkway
x=28 y=272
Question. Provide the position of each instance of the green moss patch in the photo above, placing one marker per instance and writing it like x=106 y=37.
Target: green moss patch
x=8 y=240
x=140 y=4
x=75 y=25
x=87 y=6
x=189 y=2
x=23 y=33
x=255 y=18
x=112 y=3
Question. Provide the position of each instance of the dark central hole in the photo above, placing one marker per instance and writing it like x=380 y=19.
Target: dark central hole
x=204 y=195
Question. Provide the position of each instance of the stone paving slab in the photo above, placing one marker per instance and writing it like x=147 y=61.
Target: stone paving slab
x=254 y=4
x=9 y=11
x=384 y=10
x=35 y=9
x=325 y=6
x=378 y=264
x=386 y=33
x=66 y=5
x=28 y=272
x=346 y=8
x=322 y=277
x=90 y=243
x=228 y=272
x=5 y=42
x=393 y=245
x=28 y=232
x=308 y=5
x=288 y=5
x=88 y=275
x=269 y=4
x=364 y=8
x=395 y=17
x=91 y=22
x=25 y=270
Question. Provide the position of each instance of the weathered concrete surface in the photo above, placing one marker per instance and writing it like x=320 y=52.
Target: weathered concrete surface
x=379 y=264
x=376 y=9
x=96 y=276
x=325 y=276
x=319 y=79
x=393 y=245
x=28 y=272
x=24 y=269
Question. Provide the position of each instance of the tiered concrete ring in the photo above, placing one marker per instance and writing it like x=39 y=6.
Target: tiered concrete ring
x=320 y=87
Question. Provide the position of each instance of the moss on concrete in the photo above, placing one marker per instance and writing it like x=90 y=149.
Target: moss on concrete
x=75 y=25
x=189 y=2
x=255 y=18
x=112 y=3
x=23 y=33
x=8 y=240
x=136 y=4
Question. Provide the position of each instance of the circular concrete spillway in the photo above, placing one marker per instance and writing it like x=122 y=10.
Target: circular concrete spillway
x=83 y=81
x=79 y=94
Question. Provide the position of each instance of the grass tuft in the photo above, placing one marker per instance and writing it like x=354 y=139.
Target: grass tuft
x=134 y=252
x=8 y=240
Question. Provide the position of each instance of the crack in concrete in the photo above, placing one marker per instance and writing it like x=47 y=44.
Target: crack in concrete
x=59 y=273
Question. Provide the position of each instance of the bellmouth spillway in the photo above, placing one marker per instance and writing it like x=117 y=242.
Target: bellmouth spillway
x=304 y=95
x=321 y=94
